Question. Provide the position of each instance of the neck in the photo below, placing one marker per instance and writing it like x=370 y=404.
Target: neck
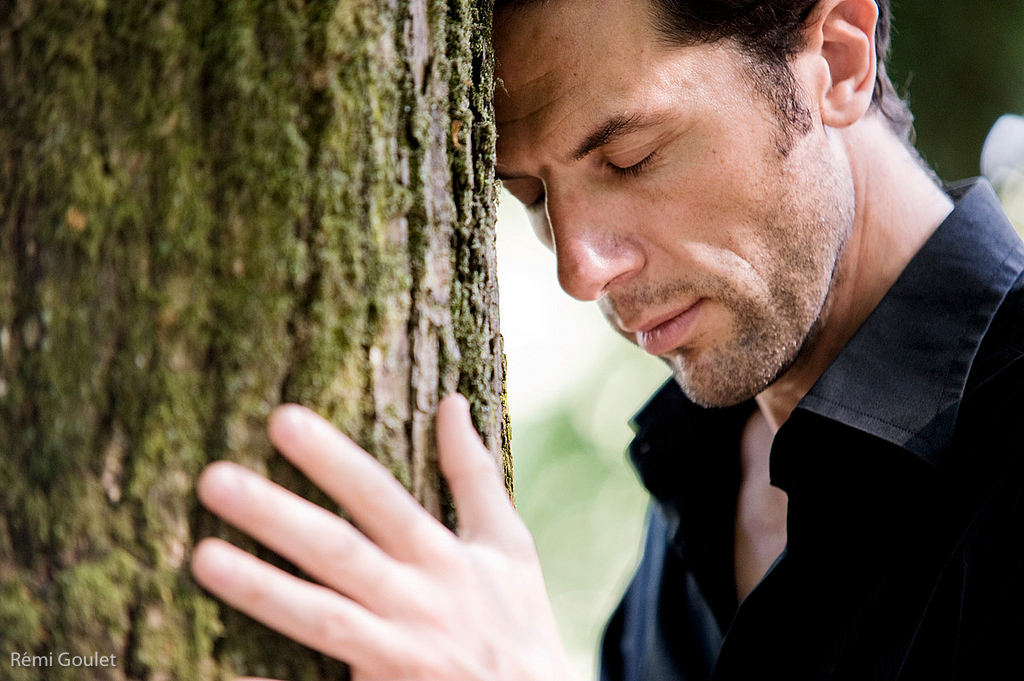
x=898 y=206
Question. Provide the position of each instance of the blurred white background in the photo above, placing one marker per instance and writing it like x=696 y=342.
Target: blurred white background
x=573 y=384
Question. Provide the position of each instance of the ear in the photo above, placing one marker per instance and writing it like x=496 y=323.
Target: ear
x=841 y=34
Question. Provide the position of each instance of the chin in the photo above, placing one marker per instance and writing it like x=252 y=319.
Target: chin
x=732 y=377
x=715 y=394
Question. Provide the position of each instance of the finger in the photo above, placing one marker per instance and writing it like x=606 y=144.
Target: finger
x=311 y=614
x=377 y=502
x=477 y=485
x=322 y=544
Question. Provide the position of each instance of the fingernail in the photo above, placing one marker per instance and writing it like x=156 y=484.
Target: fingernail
x=461 y=399
x=294 y=417
x=213 y=564
x=220 y=486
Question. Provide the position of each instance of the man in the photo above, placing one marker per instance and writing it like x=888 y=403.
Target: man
x=731 y=182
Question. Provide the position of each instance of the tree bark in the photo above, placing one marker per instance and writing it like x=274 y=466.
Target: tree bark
x=206 y=209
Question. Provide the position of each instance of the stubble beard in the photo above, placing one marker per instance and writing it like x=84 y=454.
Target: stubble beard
x=809 y=227
x=770 y=336
x=766 y=342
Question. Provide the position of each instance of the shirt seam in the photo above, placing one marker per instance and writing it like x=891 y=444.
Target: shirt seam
x=962 y=343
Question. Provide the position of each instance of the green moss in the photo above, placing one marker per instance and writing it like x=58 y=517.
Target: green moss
x=212 y=207
x=23 y=617
x=175 y=631
x=92 y=601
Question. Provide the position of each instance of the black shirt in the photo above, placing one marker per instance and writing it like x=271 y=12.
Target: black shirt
x=904 y=468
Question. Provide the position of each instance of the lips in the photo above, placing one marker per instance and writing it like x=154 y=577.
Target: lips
x=667 y=333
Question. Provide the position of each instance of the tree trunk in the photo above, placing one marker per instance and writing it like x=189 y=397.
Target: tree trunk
x=208 y=208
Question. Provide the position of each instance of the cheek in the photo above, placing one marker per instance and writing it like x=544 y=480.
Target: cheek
x=716 y=186
x=720 y=218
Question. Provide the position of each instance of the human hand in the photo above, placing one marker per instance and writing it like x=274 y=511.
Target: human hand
x=402 y=597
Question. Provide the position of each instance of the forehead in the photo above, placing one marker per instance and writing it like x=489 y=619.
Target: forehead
x=548 y=49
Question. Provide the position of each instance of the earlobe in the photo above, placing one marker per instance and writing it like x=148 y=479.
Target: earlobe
x=845 y=34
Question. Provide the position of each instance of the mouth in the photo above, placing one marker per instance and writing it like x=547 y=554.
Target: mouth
x=664 y=334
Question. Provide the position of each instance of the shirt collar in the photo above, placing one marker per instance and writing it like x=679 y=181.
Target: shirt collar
x=902 y=374
x=676 y=440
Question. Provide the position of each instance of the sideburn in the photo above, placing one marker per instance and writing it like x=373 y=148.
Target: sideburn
x=773 y=80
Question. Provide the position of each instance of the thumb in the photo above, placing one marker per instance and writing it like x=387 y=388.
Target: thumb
x=477 y=485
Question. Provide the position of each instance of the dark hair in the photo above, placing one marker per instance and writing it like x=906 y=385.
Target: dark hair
x=769 y=32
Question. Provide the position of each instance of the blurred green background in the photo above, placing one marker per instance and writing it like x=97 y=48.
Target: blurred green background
x=573 y=384
x=961 y=65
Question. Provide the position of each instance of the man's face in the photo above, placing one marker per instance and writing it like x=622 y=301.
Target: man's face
x=658 y=177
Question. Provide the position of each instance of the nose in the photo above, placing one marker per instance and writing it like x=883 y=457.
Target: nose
x=594 y=245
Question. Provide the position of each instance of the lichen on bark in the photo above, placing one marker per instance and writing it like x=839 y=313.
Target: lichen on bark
x=207 y=209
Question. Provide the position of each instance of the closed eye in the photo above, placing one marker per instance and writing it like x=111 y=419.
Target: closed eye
x=635 y=169
x=527 y=190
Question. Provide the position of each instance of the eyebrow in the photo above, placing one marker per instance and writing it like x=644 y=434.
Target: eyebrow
x=613 y=129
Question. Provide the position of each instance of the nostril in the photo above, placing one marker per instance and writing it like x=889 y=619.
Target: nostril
x=593 y=248
x=576 y=277
x=587 y=271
